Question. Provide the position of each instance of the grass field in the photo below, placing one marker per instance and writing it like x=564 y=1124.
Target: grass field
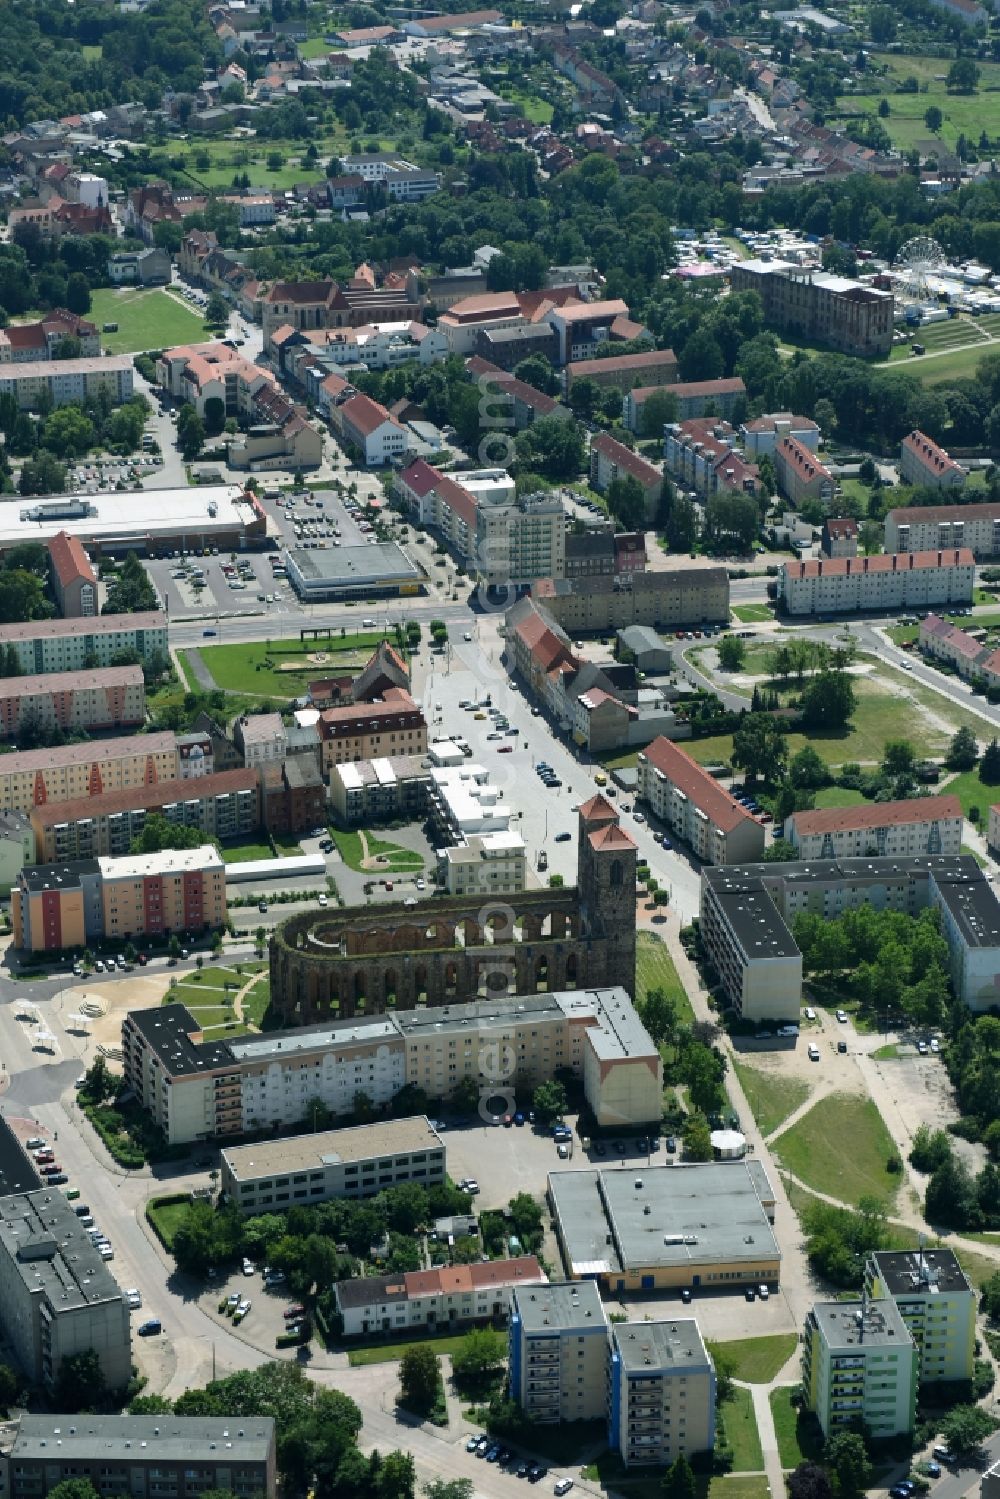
x=257 y=1000
x=168 y=1217
x=757 y=1360
x=771 y=1098
x=799 y=1436
x=753 y=613
x=245 y=853
x=741 y=1430
x=971 y=792
x=251 y=666
x=841 y=1148
x=963 y=113
x=398 y=860
x=838 y=796
x=654 y=969
x=148 y=319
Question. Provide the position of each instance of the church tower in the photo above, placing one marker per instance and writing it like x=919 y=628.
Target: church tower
x=606 y=863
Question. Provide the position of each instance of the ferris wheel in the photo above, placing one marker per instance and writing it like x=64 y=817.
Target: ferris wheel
x=917 y=261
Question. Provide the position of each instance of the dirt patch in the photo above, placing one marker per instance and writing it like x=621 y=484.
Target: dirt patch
x=137 y=992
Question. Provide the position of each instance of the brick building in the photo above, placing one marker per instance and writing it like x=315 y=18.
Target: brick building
x=74 y=581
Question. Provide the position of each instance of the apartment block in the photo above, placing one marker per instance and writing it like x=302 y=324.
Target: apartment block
x=60 y=381
x=44 y=645
x=223 y=805
x=107 y=698
x=919 y=580
x=71 y=771
x=763 y=434
x=700 y=454
x=581 y=326
x=840 y=537
x=922 y=825
x=611 y=460
x=74 y=581
x=748 y=912
x=450 y=1297
x=197 y=1089
x=944 y=642
x=700 y=398
x=272 y=1175
x=922 y=461
x=392 y=726
x=661 y=1392
x=261 y=739
x=484 y=864
x=801 y=476
x=379 y=790
x=627 y=372
x=558 y=1352
x=859 y=1364
x=695 y=808
x=932 y=1295
x=661 y=599
x=147 y=1457
x=923 y=528
x=847 y=315
x=57 y=1296
x=21 y=343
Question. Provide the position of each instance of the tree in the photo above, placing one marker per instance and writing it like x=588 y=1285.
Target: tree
x=678 y=1481
x=828 y=701
x=846 y=1458
x=930 y=1148
x=80 y=1382
x=74 y=1488
x=809 y=1481
x=933 y=118
x=989 y=765
x=780 y=852
x=963 y=76
x=950 y=1200
x=78 y=294
x=759 y=748
x=10 y=1386
x=549 y=1101
x=455 y=1488
x=190 y=432
x=656 y=411
x=808 y=770
x=537 y=370
x=100 y=1082
x=882 y=24
x=701 y=357
x=216 y=310
x=963 y=752
x=627 y=503
x=419 y=1378
x=132 y=591
x=481 y=1353
x=151 y=1405
x=43 y=474
x=396 y=1476
x=732 y=653
x=552 y=446
x=682 y=525
x=965 y=1428
x=215 y=415
x=659 y=1015
x=697 y=1138
x=990 y=1292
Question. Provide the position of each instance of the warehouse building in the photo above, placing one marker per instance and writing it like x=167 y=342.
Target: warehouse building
x=70 y=645
x=851 y=316
x=651 y=1228
x=272 y=1175
x=151 y=522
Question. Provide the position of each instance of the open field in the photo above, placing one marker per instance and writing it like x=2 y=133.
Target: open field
x=147 y=319
x=799 y=1436
x=741 y=1431
x=654 y=969
x=841 y=1147
x=753 y=613
x=246 y=853
x=972 y=793
x=771 y=1096
x=167 y=1214
x=388 y=1353
x=253 y=665
x=395 y=859
x=757 y=1360
x=837 y=796
x=963 y=114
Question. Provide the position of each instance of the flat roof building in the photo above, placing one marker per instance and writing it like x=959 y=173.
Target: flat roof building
x=646 y=1228
x=558 y=1352
x=859 y=1364
x=359 y=572
x=661 y=1392
x=271 y=1175
x=937 y=1303
x=151 y=521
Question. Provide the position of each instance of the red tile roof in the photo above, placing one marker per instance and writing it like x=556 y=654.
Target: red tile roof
x=930 y=454
x=889 y=562
x=623 y=457
x=791 y=451
x=70 y=560
x=906 y=515
x=731 y=386
x=877 y=815
x=722 y=810
x=365 y=415
x=841 y=529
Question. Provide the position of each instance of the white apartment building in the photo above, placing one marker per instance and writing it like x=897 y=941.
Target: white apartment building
x=45 y=645
x=518 y=542
x=261 y=738
x=368 y=427
x=692 y=804
x=924 y=825
x=843 y=585
x=661 y=1392
x=66 y=380
x=923 y=462
x=484 y=864
x=930 y=528
x=750 y=945
x=558 y=1352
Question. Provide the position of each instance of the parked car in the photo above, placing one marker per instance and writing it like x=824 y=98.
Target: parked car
x=151 y=1328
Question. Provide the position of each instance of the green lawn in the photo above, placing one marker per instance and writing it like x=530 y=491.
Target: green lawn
x=971 y=792
x=314 y=47
x=148 y=319
x=245 y=853
x=399 y=860
x=799 y=1436
x=252 y=666
x=838 y=796
x=654 y=969
x=957 y=364
x=387 y=1353
x=840 y=1147
x=538 y=111
x=757 y=1360
x=257 y=1001
x=771 y=1098
x=753 y=613
x=741 y=1430
x=167 y=1214
x=887 y=1053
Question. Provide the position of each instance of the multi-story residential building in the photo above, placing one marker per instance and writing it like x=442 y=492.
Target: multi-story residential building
x=60 y=381
x=924 y=825
x=699 y=398
x=70 y=771
x=611 y=460
x=840 y=537
x=379 y=790
x=44 y=645
x=508 y=402
x=661 y=1392
x=935 y=1300
x=847 y=315
x=662 y=599
x=994 y=827
x=449 y=1297
x=261 y=739
x=372 y=430
x=748 y=911
x=57 y=1296
x=60 y=906
x=484 y=864
x=635 y=375
x=557 y=1342
x=944 y=642
x=196 y=1089
x=225 y=804
x=273 y=1175
x=148 y=1457
x=23 y=343
x=581 y=326
x=519 y=542
x=293 y=796
x=403 y=182
x=74 y=581
x=700 y=454
x=17 y=847
x=844 y=585
x=763 y=434
x=922 y=528
x=109 y=697
x=859 y=1365
x=394 y=725
x=682 y=795
x=923 y=462
x=801 y=476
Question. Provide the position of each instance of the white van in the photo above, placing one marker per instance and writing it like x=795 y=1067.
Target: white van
x=814 y=1053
